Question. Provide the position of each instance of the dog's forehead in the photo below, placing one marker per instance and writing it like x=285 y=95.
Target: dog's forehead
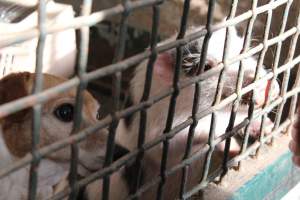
x=22 y=84
x=51 y=81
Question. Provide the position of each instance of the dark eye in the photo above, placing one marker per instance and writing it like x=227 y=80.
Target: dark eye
x=207 y=67
x=64 y=112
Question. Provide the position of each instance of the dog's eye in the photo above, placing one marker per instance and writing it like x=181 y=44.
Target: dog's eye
x=64 y=112
x=207 y=66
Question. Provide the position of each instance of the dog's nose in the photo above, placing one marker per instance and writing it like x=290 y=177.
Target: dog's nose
x=119 y=152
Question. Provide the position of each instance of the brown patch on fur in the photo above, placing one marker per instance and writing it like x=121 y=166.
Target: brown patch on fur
x=13 y=87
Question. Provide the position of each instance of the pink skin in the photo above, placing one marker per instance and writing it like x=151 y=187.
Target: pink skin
x=294 y=144
x=157 y=114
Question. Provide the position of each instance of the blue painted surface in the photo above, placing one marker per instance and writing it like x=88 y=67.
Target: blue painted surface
x=272 y=183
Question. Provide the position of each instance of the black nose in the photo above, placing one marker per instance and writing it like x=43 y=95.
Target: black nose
x=119 y=152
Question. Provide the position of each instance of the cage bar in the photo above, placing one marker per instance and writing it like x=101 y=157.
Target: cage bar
x=87 y=19
x=116 y=91
x=37 y=109
x=81 y=70
x=172 y=105
x=146 y=95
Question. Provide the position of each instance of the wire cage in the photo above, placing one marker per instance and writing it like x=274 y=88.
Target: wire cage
x=86 y=19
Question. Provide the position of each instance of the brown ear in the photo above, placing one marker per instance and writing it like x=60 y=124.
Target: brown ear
x=13 y=87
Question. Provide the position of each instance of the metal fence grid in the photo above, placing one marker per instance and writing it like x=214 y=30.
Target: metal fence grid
x=87 y=19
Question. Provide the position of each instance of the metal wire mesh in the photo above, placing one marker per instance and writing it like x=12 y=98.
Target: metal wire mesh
x=82 y=78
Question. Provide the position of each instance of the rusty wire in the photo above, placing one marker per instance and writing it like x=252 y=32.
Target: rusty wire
x=88 y=19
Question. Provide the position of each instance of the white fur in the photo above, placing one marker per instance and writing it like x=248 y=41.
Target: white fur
x=157 y=116
x=15 y=185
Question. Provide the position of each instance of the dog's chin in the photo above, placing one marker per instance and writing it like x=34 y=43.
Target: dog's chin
x=85 y=169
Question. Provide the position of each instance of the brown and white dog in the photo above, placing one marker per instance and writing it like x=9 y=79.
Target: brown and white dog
x=56 y=124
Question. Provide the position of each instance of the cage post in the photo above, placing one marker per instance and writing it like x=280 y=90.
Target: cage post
x=200 y=70
x=239 y=85
x=275 y=72
x=218 y=95
x=37 y=109
x=81 y=70
x=146 y=94
x=297 y=82
x=116 y=91
x=195 y=108
x=172 y=104
x=290 y=57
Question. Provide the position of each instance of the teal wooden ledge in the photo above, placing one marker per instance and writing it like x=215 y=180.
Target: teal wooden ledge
x=272 y=183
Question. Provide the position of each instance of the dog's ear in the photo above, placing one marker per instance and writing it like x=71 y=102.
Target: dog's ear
x=164 y=67
x=13 y=87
